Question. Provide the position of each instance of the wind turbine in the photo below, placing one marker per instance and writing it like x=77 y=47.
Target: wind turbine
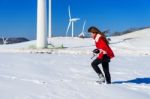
x=82 y=34
x=5 y=40
x=71 y=22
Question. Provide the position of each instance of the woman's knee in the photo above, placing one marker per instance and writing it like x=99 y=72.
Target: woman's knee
x=93 y=64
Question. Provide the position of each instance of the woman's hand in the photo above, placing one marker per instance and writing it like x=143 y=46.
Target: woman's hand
x=96 y=51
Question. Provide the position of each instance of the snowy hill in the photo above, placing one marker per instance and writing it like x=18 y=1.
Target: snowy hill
x=134 y=43
x=67 y=74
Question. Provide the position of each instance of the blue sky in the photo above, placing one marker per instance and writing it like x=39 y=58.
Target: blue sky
x=18 y=17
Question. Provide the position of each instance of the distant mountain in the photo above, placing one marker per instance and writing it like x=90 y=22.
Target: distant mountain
x=13 y=40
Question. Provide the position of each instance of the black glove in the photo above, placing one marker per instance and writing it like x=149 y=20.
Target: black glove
x=96 y=51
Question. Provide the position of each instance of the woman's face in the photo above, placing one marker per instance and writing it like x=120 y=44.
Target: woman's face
x=93 y=35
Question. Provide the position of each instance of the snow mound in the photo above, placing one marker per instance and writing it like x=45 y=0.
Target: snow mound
x=67 y=74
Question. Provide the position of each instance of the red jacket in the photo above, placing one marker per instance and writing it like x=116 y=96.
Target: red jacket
x=103 y=47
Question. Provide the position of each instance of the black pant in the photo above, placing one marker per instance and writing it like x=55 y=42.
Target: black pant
x=105 y=66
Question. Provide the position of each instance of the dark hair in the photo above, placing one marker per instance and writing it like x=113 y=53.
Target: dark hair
x=93 y=29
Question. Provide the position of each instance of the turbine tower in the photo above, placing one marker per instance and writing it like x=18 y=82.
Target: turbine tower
x=50 y=19
x=41 y=24
x=71 y=23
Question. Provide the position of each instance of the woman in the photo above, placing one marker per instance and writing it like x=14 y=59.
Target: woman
x=104 y=53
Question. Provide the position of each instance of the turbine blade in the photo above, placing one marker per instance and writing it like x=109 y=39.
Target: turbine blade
x=77 y=19
x=74 y=19
x=83 y=26
x=69 y=12
x=68 y=28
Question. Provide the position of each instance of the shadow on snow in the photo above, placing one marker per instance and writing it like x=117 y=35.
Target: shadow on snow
x=136 y=81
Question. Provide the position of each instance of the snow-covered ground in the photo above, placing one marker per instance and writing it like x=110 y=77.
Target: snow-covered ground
x=67 y=74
